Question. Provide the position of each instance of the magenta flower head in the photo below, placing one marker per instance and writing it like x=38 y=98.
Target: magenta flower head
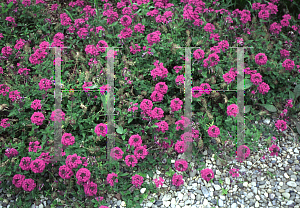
x=112 y=178
x=14 y=95
x=37 y=166
x=232 y=110
x=156 y=96
x=256 y=79
x=213 y=131
x=101 y=129
x=25 y=163
x=33 y=146
x=86 y=84
x=4 y=89
x=37 y=118
x=83 y=175
x=281 y=125
x=207 y=174
x=18 y=180
x=72 y=161
x=177 y=180
x=180 y=146
x=45 y=157
x=242 y=153
x=28 y=184
x=116 y=153
x=90 y=188
x=181 y=165
x=6 y=51
x=141 y=152
x=45 y=84
x=68 y=139
x=234 y=172
x=4 y=123
x=274 y=150
x=158 y=182
x=198 y=54
x=130 y=160
x=11 y=152
x=146 y=105
x=135 y=140
x=126 y=20
x=209 y=27
x=36 y=104
x=162 y=126
x=261 y=59
x=65 y=172
x=55 y=115
x=263 y=88
x=137 y=180
x=161 y=87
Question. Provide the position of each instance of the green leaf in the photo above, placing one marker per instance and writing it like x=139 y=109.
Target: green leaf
x=291 y=95
x=297 y=126
x=270 y=108
x=130 y=120
x=150 y=173
x=297 y=91
x=69 y=14
x=247 y=84
x=120 y=130
x=10 y=5
x=124 y=174
x=247 y=108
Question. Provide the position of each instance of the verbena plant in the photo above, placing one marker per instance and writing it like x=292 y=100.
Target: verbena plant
x=149 y=92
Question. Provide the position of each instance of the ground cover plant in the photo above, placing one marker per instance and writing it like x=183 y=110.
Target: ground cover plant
x=149 y=73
